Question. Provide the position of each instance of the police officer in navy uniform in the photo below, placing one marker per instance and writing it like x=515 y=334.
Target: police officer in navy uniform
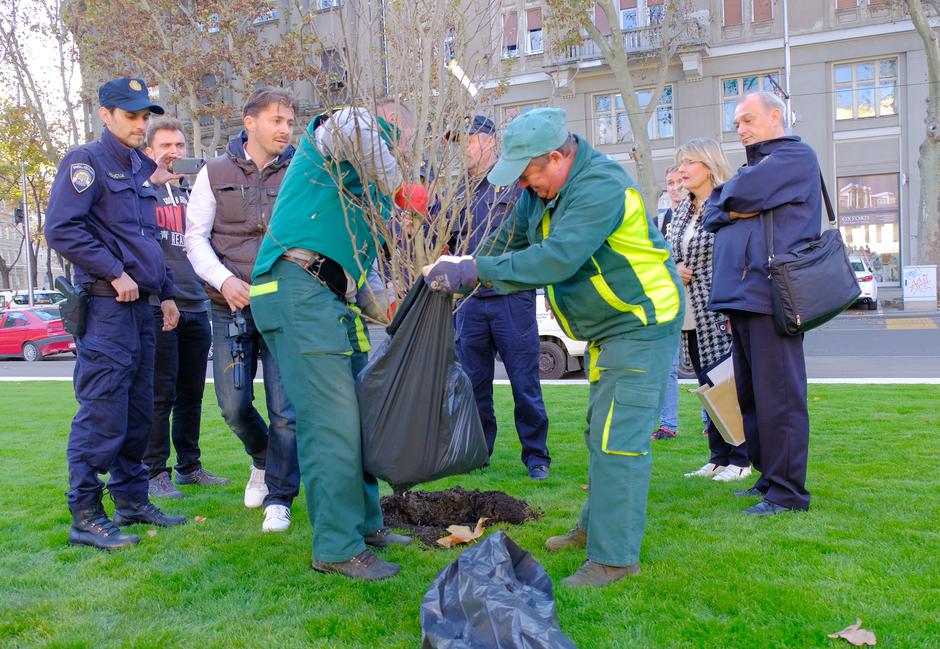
x=102 y=218
x=488 y=322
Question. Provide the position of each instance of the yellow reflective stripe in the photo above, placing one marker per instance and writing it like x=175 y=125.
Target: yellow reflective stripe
x=632 y=240
x=262 y=289
x=550 y=290
x=361 y=337
x=594 y=372
x=610 y=416
x=608 y=295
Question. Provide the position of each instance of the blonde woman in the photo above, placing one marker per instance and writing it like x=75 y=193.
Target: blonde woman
x=706 y=334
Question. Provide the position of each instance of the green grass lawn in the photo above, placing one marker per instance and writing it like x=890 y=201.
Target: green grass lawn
x=868 y=548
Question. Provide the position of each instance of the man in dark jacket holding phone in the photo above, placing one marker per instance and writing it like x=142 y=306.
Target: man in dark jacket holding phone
x=782 y=176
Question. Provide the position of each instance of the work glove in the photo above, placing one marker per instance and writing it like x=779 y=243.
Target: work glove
x=451 y=274
x=413 y=198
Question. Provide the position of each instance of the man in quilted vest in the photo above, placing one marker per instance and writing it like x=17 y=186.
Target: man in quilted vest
x=229 y=211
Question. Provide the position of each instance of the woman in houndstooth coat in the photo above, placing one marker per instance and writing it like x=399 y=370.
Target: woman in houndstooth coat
x=706 y=334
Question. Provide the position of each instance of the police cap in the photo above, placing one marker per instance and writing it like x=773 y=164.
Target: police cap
x=127 y=94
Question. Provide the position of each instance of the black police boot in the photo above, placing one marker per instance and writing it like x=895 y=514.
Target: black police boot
x=93 y=527
x=126 y=513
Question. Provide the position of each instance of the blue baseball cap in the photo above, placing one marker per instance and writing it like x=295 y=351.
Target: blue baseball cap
x=127 y=94
x=528 y=136
x=479 y=124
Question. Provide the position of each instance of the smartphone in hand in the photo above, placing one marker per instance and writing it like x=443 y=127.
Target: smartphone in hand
x=187 y=165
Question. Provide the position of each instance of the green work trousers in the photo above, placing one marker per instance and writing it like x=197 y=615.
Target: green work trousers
x=320 y=345
x=627 y=375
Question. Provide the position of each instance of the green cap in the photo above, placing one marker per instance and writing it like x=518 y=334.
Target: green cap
x=528 y=136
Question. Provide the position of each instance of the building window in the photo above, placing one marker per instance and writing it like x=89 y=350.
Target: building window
x=734 y=89
x=761 y=10
x=733 y=13
x=866 y=88
x=267 y=17
x=869 y=219
x=533 y=31
x=612 y=125
x=512 y=112
x=846 y=4
x=632 y=14
x=510 y=35
x=323 y=5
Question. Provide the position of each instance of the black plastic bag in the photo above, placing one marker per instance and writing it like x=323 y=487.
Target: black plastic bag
x=493 y=596
x=417 y=412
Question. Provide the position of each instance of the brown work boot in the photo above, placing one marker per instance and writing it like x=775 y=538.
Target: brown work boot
x=592 y=573
x=384 y=537
x=573 y=538
x=364 y=565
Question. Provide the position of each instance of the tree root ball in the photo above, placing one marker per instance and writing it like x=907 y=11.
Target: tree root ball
x=427 y=514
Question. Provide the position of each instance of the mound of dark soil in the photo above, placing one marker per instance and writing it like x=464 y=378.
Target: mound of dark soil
x=427 y=514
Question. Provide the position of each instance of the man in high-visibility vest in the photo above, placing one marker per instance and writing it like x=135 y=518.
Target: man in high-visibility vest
x=580 y=229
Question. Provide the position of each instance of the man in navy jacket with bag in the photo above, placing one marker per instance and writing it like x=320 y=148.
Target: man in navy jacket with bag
x=782 y=176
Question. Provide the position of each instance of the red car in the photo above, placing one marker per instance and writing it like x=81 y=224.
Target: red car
x=33 y=333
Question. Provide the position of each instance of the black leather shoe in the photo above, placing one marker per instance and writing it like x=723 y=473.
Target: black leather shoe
x=753 y=491
x=538 y=471
x=765 y=508
x=145 y=512
x=92 y=527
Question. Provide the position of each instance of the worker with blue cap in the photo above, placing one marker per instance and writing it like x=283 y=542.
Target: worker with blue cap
x=488 y=322
x=580 y=229
x=102 y=218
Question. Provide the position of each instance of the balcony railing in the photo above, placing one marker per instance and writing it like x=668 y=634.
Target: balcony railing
x=636 y=41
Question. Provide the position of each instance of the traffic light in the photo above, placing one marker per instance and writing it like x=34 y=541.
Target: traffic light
x=17 y=215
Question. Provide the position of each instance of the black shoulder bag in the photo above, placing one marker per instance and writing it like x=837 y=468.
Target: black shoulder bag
x=812 y=284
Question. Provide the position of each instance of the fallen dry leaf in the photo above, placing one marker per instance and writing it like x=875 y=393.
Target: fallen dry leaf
x=151 y=533
x=462 y=534
x=584 y=487
x=817 y=398
x=856 y=635
x=200 y=519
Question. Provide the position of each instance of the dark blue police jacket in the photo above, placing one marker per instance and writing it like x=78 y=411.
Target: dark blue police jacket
x=489 y=207
x=783 y=175
x=102 y=216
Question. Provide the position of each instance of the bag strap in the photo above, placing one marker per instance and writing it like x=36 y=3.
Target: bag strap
x=825 y=194
x=769 y=221
x=768 y=224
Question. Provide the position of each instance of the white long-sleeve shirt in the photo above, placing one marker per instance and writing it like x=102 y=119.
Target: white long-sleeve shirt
x=200 y=219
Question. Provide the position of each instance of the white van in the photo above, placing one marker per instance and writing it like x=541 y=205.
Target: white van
x=559 y=354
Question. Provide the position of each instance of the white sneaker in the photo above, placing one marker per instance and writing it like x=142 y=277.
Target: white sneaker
x=731 y=473
x=706 y=471
x=276 y=518
x=256 y=489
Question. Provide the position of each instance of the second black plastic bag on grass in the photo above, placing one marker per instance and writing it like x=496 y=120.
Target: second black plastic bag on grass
x=417 y=412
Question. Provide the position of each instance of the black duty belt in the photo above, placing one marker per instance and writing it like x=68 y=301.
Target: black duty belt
x=323 y=268
x=103 y=288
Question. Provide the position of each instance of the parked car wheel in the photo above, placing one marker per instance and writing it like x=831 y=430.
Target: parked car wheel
x=873 y=305
x=31 y=352
x=553 y=361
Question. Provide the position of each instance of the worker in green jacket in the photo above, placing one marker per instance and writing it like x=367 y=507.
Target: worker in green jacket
x=320 y=244
x=580 y=230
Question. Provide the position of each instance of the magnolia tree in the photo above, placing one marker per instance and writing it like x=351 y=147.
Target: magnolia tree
x=922 y=13
x=435 y=56
x=633 y=55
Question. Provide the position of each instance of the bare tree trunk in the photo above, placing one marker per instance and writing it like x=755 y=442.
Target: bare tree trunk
x=928 y=240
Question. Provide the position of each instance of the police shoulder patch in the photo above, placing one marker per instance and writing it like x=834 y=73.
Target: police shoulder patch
x=82 y=176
